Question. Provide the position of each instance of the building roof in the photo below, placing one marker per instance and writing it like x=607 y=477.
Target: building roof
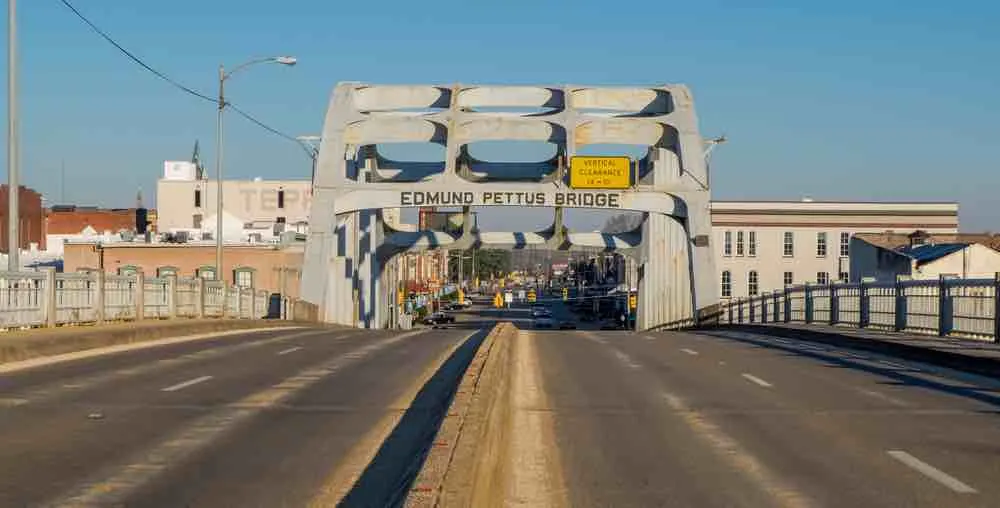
x=930 y=252
x=71 y=221
x=896 y=241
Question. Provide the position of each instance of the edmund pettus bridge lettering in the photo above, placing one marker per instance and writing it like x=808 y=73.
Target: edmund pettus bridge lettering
x=511 y=198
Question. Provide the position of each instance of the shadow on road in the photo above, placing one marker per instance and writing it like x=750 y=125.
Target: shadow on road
x=386 y=481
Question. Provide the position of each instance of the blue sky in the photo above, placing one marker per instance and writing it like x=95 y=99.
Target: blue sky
x=886 y=100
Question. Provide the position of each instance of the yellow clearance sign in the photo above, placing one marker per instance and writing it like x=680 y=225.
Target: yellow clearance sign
x=587 y=172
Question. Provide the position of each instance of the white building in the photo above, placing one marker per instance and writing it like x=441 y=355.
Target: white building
x=921 y=256
x=767 y=245
x=254 y=210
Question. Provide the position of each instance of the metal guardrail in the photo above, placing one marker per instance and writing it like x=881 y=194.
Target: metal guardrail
x=947 y=307
x=48 y=299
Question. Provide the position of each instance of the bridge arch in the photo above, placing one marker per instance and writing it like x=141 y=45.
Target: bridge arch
x=347 y=269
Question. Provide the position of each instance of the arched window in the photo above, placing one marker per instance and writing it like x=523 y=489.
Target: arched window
x=128 y=270
x=166 y=271
x=205 y=272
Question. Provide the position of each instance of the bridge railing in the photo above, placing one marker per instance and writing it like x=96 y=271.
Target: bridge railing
x=946 y=307
x=49 y=299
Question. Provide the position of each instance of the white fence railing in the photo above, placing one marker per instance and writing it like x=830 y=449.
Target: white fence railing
x=945 y=307
x=47 y=298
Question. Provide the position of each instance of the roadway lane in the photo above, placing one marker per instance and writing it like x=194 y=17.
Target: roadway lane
x=253 y=421
x=693 y=420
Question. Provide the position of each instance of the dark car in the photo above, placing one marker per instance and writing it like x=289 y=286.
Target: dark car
x=438 y=318
x=567 y=325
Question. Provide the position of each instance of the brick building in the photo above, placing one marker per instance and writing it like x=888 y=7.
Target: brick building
x=272 y=267
x=32 y=218
x=71 y=220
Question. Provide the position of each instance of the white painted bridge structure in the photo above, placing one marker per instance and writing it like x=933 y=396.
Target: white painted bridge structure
x=347 y=270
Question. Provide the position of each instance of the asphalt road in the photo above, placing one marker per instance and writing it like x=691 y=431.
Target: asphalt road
x=277 y=418
x=679 y=419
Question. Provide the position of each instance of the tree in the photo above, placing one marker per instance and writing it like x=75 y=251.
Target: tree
x=489 y=263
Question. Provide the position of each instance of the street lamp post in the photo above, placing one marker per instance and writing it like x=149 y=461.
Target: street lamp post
x=223 y=76
x=13 y=185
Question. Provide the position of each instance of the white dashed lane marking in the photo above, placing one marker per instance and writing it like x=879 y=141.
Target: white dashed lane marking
x=185 y=384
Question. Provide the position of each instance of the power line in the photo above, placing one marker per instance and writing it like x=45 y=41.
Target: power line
x=132 y=57
x=177 y=84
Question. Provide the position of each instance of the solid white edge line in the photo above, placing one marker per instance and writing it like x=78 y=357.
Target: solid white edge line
x=185 y=384
x=43 y=361
x=931 y=472
x=689 y=351
x=289 y=350
x=757 y=380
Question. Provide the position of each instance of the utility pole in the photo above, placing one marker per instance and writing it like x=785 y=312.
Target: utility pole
x=13 y=176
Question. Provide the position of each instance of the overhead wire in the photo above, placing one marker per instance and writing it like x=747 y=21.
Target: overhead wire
x=104 y=35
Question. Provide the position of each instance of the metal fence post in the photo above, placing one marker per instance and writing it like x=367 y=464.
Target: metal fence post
x=753 y=313
x=775 y=306
x=808 y=304
x=172 y=296
x=741 y=310
x=729 y=310
x=199 y=297
x=943 y=307
x=140 y=296
x=99 y=296
x=900 y=311
x=788 y=305
x=763 y=308
x=834 y=305
x=996 y=307
x=863 y=302
x=50 y=297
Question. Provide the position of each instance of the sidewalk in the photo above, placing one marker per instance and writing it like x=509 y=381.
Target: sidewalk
x=39 y=342
x=976 y=356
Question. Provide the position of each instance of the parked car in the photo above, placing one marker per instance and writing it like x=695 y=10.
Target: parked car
x=567 y=325
x=438 y=318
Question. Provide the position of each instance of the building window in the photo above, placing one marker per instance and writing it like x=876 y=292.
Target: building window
x=197 y=198
x=128 y=270
x=205 y=272
x=844 y=276
x=845 y=245
x=752 y=283
x=789 y=279
x=280 y=220
x=821 y=245
x=166 y=271
x=822 y=278
x=752 y=244
x=281 y=199
x=727 y=243
x=196 y=221
x=243 y=277
x=739 y=243
x=727 y=284
x=788 y=249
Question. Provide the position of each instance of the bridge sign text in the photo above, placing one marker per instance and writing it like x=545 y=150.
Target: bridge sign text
x=511 y=198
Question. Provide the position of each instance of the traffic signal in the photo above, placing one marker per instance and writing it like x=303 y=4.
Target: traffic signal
x=633 y=301
x=565 y=294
